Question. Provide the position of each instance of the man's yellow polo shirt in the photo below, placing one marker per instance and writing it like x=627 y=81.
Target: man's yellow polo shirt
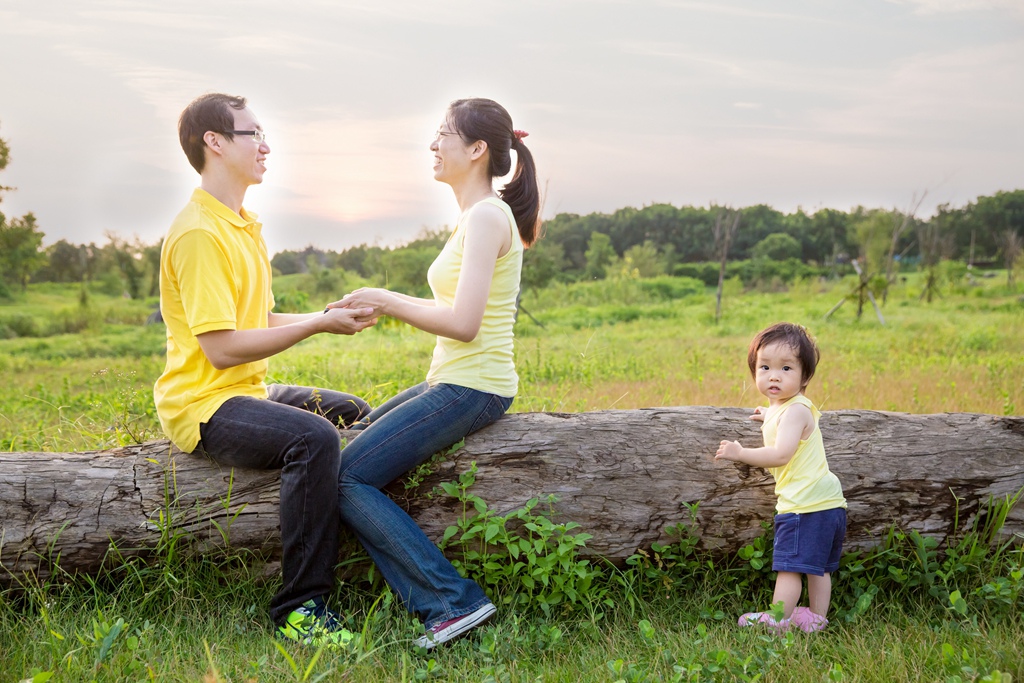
x=214 y=275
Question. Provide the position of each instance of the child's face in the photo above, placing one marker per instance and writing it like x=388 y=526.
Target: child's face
x=777 y=373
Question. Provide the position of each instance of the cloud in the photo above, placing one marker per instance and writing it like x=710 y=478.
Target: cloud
x=748 y=12
x=950 y=6
x=351 y=170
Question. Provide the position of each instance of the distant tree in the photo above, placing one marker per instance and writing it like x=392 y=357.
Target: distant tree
x=287 y=262
x=600 y=255
x=643 y=260
x=5 y=157
x=21 y=252
x=542 y=263
x=151 y=257
x=405 y=269
x=991 y=217
x=935 y=245
x=66 y=262
x=430 y=238
x=128 y=261
x=727 y=223
x=1010 y=245
x=93 y=261
x=20 y=239
x=573 y=233
x=873 y=228
x=777 y=246
x=758 y=222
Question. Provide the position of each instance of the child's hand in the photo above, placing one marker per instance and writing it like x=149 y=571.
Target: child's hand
x=728 y=450
x=758 y=415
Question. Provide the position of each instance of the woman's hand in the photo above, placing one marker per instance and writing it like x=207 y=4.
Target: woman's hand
x=366 y=297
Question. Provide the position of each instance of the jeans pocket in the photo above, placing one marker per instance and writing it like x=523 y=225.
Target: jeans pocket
x=495 y=408
x=787 y=535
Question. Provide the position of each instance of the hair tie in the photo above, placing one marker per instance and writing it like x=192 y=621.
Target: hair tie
x=519 y=134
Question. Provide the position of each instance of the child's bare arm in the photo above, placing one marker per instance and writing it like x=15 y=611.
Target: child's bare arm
x=792 y=427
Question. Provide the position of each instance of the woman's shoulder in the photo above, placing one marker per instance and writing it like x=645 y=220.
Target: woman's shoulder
x=491 y=208
x=488 y=214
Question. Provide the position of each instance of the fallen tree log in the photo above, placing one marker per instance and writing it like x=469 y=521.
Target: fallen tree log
x=623 y=475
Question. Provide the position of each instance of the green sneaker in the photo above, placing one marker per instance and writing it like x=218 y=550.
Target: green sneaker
x=313 y=623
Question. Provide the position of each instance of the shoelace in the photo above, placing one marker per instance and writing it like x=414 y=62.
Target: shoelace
x=324 y=616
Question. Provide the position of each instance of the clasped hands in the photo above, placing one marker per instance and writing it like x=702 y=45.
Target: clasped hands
x=371 y=299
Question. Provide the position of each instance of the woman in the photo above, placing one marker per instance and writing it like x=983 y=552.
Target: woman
x=472 y=378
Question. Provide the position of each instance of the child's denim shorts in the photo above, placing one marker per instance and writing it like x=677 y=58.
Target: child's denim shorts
x=809 y=542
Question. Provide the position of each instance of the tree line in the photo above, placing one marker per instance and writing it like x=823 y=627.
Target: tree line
x=664 y=239
x=659 y=239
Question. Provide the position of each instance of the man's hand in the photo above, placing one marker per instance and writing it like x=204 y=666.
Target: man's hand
x=347 y=320
x=371 y=297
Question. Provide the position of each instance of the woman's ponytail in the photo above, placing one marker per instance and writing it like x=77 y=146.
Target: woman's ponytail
x=482 y=119
x=522 y=193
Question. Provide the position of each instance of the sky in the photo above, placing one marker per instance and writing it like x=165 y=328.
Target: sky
x=791 y=103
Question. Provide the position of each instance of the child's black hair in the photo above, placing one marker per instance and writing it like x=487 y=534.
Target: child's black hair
x=794 y=336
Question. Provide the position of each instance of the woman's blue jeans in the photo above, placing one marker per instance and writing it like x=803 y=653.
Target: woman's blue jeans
x=399 y=435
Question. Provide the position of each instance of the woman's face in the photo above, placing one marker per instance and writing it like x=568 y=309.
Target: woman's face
x=452 y=156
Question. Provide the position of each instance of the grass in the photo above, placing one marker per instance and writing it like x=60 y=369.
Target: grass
x=669 y=616
x=960 y=353
x=208 y=623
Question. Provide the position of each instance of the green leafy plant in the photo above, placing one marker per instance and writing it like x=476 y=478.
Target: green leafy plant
x=522 y=557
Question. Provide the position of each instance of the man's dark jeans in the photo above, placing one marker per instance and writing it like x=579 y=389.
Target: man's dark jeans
x=296 y=431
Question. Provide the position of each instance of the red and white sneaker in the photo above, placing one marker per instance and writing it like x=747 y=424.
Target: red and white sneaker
x=453 y=628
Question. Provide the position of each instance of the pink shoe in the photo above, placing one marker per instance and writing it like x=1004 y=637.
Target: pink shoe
x=755 y=618
x=807 y=621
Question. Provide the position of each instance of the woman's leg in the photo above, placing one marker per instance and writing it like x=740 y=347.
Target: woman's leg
x=408 y=434
x=389 y=405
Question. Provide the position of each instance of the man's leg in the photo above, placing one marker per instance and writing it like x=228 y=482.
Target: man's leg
x=337 y=407
x=262 y=434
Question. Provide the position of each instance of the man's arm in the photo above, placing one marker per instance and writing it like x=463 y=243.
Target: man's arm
x=228 y=348
x=792 y=427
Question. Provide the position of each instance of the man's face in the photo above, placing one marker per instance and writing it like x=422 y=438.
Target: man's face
x=244 y=156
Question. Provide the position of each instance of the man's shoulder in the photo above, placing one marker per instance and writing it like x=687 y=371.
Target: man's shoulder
x=192 y=217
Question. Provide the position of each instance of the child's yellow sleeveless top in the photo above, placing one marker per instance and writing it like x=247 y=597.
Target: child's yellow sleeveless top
x=804 y=484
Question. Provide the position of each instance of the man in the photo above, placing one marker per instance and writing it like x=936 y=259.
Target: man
x=216 y=299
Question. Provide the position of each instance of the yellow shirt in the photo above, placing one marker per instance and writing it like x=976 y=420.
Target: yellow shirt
x=804 y=484
x=214 y=275
x=486 y=363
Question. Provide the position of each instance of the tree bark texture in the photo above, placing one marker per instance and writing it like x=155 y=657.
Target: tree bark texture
x=623 y=475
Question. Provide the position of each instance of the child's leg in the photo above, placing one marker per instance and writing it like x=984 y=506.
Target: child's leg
x=819 y=593
x=788 y=587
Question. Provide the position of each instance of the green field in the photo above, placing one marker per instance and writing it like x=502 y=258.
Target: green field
x=607 y=344
x=906 y=613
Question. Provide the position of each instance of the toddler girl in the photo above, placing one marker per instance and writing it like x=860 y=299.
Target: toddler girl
x=811 y=520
